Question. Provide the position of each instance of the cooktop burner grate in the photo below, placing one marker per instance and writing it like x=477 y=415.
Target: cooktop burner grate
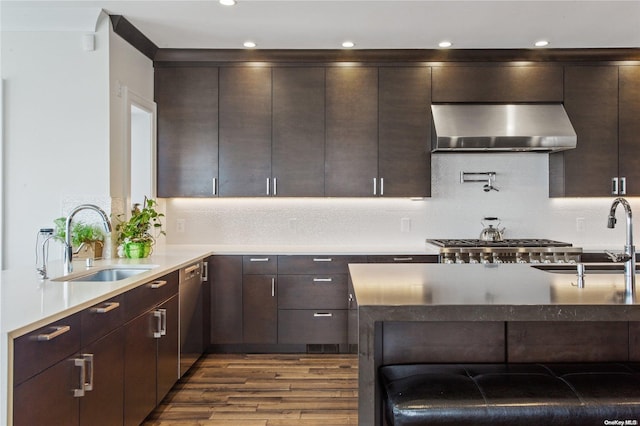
x=514 y=242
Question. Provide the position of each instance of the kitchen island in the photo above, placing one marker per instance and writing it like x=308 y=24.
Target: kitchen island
x=439 y=313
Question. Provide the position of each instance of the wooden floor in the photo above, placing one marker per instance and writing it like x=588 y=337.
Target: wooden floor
x=264 y=390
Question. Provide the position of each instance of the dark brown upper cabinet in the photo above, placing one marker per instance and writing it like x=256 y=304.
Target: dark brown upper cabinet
x=297 y=163
x=591 y=101
x=187 y=99
x=245 y=131
x=404 y=132
x=497 y=83
x=351 y=149
x=629 y=131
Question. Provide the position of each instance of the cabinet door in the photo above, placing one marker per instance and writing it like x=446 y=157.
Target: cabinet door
x=225 y=274
x=298 y=131
x=168 y=368
x=103 y=405
x=187 y=99
x=405 y=132
x=47 y=398
x=351 y=157
x=629 y=138
x=591 y=101
x=259 y=309
x=245 y=131
x=139 y=368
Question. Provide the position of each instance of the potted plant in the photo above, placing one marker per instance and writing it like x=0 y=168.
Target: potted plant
x=136 y=236
x=87 y=240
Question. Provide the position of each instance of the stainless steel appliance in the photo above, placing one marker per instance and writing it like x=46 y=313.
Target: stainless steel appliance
x=191 y=314
x=529 y=250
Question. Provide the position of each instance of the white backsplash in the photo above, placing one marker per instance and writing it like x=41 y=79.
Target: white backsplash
x=455 y=210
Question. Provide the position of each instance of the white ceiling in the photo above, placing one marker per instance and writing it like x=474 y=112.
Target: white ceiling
x=324 y=24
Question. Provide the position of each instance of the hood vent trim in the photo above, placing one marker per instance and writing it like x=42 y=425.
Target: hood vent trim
x=501 y=128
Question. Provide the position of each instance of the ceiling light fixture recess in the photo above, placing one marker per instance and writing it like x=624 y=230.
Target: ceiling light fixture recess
x=445 y=44
x=348 y=44
x=227 y=2
x=541 y=43
x=249 y=44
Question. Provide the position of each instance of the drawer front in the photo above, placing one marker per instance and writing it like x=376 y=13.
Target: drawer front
x=404 y=258
x=305 y=326
x=150 y=294
x=97 y=321
x=317 y=264
x=260 y=264
x=312 y=291
x=44 y=347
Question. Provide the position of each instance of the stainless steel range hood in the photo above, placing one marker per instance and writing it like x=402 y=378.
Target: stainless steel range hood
x=501 y=127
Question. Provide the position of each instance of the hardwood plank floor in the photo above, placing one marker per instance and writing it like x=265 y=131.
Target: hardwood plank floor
x=264 y=390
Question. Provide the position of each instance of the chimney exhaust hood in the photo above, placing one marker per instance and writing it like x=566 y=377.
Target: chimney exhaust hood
x=501 y=128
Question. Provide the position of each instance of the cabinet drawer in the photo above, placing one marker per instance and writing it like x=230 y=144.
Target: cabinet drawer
x=148 y=295
x=404 y=258
x=44 y=347
x=303 y=326
x=319 y=264
x=312 y=292
x=97 y=321
x=260 y=264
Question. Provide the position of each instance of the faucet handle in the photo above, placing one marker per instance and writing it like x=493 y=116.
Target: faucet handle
x=617 y=257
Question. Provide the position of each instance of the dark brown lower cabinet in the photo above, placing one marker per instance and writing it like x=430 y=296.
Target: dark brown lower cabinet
x=226 y=299
x=168 y=369
x=259 y=309
x=308 y=326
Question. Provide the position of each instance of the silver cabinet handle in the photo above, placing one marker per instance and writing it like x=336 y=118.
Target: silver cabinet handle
x=614 y=186
x=163 y=330
x=273 y=287
x=623 y=186
x=259 y=259
x=192 y=268
x=108 y=307
x=157 y=314
x=381 y=186
x=322 y=314
x=402 y=259
x=205 y=272
x=322 y=259
x=57 y=331
x=88 y=359
x=157 y=284
x=275 y=186
x=214 y=183
x=375 y=186
x=79 y=362
x=268 y=186
x=322 y=280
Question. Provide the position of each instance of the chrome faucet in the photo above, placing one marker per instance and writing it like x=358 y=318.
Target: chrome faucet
x=42 y=270
x=68 y=267
x=629 y=256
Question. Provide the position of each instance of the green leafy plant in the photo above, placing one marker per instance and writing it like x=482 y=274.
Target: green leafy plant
x=139 y=227
x=81 y=232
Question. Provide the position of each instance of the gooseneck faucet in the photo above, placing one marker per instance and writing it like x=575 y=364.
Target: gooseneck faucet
x=68 y=267
x=629 y=256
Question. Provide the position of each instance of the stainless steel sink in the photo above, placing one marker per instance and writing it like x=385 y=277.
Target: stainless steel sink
x=107 y=274
x=589 y=268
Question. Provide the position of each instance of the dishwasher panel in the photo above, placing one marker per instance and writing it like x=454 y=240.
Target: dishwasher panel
x=191 y=315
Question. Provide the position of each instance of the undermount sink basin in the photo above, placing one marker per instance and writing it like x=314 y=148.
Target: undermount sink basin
x=589 y=268
x=108 y=274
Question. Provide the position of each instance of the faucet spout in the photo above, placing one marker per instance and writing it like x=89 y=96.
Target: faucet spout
x=68 y=267
x=629 y=248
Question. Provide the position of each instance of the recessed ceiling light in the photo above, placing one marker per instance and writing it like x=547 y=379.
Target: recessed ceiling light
x=227 y=2
x=542 y=43
x=249 y=44
x=445 y=44
x=348 y=44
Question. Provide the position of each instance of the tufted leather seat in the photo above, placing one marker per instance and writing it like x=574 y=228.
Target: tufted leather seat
x=512 y=394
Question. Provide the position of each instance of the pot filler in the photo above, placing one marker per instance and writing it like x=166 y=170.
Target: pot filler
x=501 y=128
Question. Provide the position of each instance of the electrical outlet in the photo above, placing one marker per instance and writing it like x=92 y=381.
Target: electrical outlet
x=405 y=224
x=180 y=224
x=580 y=224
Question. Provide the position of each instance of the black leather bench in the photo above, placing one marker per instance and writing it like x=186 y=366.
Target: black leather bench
x=512 y=394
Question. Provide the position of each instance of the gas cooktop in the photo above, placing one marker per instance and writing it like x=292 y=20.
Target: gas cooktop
x=515 y=242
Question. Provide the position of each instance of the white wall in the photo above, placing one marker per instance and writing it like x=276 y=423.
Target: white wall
x=56 y=131
x=454 y=211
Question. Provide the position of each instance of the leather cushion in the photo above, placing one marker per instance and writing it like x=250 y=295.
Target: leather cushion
x=511 y=394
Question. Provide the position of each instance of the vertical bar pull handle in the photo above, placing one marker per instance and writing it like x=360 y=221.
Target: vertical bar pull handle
x=623 y=186
x=158 y=317
x=215 y=186
x=163 y=316
x=614 y=186
x=79 y=362
x=273 y=287
x=205 y=272
x=275 y=186
x=381 y=186
x=375 y=186
x=268 y=186
x=88 y=359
